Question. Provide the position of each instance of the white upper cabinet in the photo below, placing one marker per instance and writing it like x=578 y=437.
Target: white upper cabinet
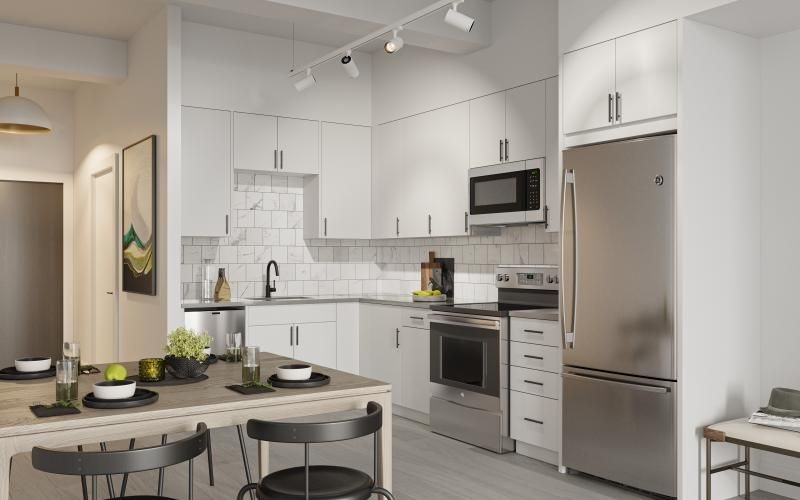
x=298 y=146
x=337 y=204
x=387 y=169
x=552 y=161
x=255 y=139
x=507 y=126
x=647 y=69
x=205 y=171
x=589 y=88
x=525 y=122
x=629 y=80
x=487 y=130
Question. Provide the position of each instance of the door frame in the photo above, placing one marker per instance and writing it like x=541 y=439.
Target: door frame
x=111 y=167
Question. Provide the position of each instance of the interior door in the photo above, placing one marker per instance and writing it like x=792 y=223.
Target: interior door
x=346 y=181
x=589 y=87
x=205 y=172
x=487 y=129
x=620 y=266
x=255 y=142
x=315 y=343
x=525 y=122
x=104 y=253
x=647 y=73
x=276 y=339
x=415 y=369
x=298 y=146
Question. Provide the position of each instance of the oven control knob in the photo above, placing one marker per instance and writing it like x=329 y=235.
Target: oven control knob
x=499 y=277
x=550 y=278
x=505 y=277
x=556 y=279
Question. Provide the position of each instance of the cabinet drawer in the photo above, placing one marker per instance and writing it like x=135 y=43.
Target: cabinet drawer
x=415 y=318
x=536 y=420
x=535 y=356
x=535 y=382
x=289 y=314
x=536 y=331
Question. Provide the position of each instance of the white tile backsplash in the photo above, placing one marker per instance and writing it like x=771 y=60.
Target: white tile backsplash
x=267 y=224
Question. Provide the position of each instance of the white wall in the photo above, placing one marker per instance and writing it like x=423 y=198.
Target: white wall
x=780 y=238
x=718 y=242
x=586 y=22
x=239 y=71
x=108 y=118
x=415 y=80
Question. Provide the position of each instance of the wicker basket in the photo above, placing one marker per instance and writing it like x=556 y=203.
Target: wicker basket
x=185 y=367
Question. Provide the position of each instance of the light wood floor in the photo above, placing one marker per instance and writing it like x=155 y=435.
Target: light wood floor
x=426 y=467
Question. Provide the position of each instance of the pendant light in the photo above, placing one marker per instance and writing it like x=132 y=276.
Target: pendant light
x=19 y=115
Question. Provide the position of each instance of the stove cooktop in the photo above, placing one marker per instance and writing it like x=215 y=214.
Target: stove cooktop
x=486 y=308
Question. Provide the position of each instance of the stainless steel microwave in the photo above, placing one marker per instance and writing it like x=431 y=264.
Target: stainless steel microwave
x=510 y=193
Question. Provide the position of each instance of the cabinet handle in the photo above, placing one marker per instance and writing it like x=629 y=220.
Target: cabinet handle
x=281 y=159
x=297 y=335
x=546 y=216
x=226 y=224
x=417 y=317
x=533 y=357
x=501 y=149
x=534 y=331
x=275 y=160
x=429 y=223
x=466 y=222
x=533 y=382
x=533 y=420
x=619 y=106
x=397 y=338
x=291 y=335
x=325 y=223
x=397 y=224
x=507 y=149
x=610 y=108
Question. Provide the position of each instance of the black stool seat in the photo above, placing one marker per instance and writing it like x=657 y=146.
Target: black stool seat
x=326 y=482
x=142 y=497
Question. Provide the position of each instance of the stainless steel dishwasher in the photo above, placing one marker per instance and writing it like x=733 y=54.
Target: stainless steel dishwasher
x=217 y=321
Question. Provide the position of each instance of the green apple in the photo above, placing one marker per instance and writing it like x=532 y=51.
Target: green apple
x=115 y=371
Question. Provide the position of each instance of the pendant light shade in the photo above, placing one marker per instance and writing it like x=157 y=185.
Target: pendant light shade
x=19 y=115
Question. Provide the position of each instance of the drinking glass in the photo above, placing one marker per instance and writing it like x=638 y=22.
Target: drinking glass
x=72 y=350
x=251 y=365
x=66 y=380
x=233 y=346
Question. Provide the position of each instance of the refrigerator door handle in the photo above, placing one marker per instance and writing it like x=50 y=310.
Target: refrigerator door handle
x=630 y=385
x=569 y=227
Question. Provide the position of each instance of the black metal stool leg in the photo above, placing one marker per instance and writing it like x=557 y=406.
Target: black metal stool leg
x=109 y=479
x=125 y=477
x=191 y=479
x=161 y=470
x=380 y=491
x=244 y=459
x=83 y=481
x=210 y=461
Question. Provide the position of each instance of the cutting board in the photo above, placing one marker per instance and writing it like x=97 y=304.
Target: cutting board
x=427 y=269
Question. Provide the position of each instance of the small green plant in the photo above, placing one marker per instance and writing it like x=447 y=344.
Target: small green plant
x=63 y=404
x=186 y=343
x=259 y=385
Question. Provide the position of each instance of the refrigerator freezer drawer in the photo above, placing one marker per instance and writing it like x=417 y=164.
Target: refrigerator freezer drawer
x=621 y=428
x=534 y=356
x=536 y=420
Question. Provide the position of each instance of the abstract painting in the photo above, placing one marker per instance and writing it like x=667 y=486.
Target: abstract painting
x=139 y=217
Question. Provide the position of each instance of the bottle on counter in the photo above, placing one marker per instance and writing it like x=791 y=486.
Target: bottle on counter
x=222 y=292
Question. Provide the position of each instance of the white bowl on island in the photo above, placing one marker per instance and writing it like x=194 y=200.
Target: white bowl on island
x=114 y=389
x=294 y=372
x=29 y=365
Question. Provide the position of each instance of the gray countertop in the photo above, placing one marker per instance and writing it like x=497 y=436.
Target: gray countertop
x=394 y=300
x=544 y=314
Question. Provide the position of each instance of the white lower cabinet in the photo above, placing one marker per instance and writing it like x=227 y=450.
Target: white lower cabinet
x=536 y=420
x=315 y=343
x=415 y=354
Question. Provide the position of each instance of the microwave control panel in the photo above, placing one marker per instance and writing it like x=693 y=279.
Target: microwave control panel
x=534 y=188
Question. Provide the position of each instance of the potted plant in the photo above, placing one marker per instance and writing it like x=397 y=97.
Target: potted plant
x=186 y=357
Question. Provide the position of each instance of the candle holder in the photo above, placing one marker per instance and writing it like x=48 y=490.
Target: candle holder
x=151 y=370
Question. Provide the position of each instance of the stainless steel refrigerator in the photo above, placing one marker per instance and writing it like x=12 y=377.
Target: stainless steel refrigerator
x=618 y=312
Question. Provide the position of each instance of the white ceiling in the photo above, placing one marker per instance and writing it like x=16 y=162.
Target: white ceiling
x=755 y=18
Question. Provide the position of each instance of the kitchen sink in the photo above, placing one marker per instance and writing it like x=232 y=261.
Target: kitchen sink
x=279 y=298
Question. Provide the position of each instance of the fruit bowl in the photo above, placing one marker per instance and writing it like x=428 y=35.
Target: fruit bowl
x=428 y=296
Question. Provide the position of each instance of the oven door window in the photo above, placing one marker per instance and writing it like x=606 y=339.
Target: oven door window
x=463 y=361
x=465 y=357
x=498 y=193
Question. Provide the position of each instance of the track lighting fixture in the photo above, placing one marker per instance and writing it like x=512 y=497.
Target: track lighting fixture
x=457 y=19
x=349 y=65
x=396 y=43
x=306 y=82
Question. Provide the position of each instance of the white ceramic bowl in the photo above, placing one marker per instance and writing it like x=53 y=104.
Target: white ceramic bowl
x=114 y=389
x=38 y=364
x=294 y=372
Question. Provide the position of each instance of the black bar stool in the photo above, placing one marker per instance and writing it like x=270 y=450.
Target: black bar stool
x=318 y=481
x=105 y=463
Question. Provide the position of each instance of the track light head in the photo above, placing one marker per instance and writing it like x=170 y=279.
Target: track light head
x=305 y=83
x=349 y=65
x=395 y=44
x=458 y=20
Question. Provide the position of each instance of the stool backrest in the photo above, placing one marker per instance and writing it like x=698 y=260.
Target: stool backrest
x=318 y=432
x=91 y=463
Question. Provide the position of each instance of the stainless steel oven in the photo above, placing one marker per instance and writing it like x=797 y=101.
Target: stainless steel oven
x=467 y=377
x=511 y=193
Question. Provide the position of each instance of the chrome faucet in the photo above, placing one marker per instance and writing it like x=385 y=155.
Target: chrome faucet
x=271 y=288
